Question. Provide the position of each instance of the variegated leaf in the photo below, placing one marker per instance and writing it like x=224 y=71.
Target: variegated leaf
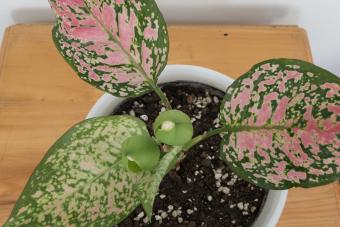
x=80 y=181
x=283 y=117
x=118 y=46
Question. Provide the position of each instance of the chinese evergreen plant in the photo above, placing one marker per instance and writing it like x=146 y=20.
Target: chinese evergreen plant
x=280 y=122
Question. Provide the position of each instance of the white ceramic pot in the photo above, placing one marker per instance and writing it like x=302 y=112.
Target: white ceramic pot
x=276 y=200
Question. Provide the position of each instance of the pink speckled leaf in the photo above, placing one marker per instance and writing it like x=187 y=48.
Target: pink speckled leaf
x=284 y=125
x=118 y=46
x=81 y=180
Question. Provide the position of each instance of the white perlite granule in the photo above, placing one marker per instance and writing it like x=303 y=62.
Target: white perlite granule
x=240 y=205
x=162 y=196
x=190 y=211
x=144 y=117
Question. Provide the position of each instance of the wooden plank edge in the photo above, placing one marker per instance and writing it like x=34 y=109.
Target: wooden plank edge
x=307 y=46
x=245 y=26
x=337 y=195
x=216 y=25
x=4 y=45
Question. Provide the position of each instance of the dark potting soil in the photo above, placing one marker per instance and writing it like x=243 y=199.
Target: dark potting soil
x=202 y=190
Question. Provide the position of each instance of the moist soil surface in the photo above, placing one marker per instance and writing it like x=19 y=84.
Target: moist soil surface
x=202 y=190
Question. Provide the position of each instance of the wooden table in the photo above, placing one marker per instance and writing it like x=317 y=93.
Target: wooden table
x=41 y=97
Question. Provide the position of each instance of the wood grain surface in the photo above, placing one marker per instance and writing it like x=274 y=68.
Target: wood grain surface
x=41 y=97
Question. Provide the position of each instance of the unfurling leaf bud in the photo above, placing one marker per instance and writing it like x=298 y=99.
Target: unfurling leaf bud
x=140 y=153
x=173 y=127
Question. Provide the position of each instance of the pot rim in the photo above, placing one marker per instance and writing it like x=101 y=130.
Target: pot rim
x=272 y=208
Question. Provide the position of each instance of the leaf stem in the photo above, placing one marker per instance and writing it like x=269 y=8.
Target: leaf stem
x=202 y=137
x=162 y=96
x=148 y=197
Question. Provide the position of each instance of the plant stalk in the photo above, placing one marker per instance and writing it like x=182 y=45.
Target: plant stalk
x=162 y=96
x=202 y=137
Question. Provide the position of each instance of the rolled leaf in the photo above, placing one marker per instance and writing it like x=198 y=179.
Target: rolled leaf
x=173 y=127
x=283 y=120
x=118 y=46
x=81 y=181
x=140 y=153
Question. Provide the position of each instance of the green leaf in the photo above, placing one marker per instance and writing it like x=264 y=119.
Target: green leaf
x=283 y=117
x=140 y=153
x=173 y=127
x=152 y=182
x=119 y=47
x=80 y=181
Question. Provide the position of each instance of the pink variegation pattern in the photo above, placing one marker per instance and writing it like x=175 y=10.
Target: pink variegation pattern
x=119 y=46
x=284 y=119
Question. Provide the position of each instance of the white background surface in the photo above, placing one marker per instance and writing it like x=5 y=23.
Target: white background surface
x=321 y=18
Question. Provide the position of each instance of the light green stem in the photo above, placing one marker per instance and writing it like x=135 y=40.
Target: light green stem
x=163 y=168
x=161 y=95
x=202 y=137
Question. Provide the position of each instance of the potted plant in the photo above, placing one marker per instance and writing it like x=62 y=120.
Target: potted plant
x=279 y=124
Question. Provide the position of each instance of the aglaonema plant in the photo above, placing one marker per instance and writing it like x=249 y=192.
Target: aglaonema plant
x=280 y=122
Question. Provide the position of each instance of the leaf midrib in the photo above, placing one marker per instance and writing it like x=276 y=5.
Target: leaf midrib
x=113 y=39
x=255 y=128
